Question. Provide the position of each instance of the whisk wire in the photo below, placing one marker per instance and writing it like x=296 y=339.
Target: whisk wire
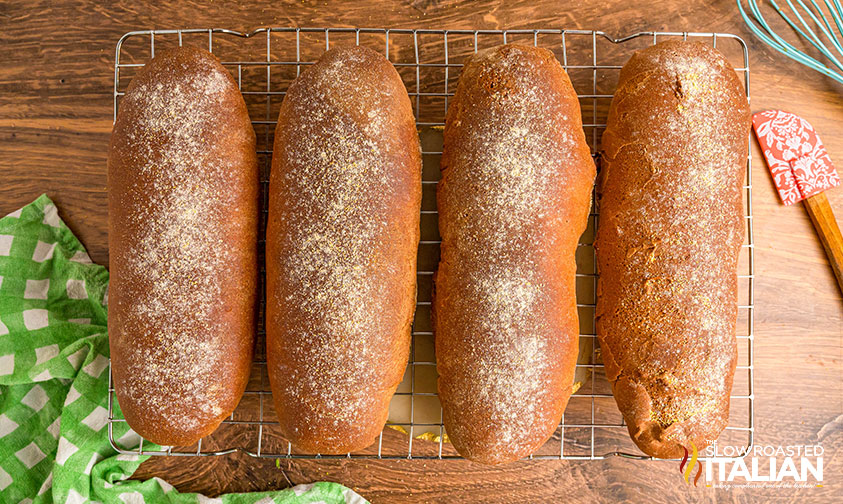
x=811 y=36
x=835 y=18
x=796 y=19
x=778 y=43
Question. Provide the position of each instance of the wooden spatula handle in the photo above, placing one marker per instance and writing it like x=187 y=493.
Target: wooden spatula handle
x=829 y=232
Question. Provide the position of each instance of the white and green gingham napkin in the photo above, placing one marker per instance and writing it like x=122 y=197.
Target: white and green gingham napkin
x=53 y=380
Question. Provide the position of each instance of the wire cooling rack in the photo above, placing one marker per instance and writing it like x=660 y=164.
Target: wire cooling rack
x=264 y=62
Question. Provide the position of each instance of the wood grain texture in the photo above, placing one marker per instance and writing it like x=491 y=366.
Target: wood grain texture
x=55 y=121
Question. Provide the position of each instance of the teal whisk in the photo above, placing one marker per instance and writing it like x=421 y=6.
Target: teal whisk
x=828 y=44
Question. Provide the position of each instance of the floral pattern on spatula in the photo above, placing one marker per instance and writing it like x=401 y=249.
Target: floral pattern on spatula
x=797 y=158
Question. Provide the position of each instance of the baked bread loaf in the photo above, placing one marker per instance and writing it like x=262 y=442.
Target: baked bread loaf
x=671 y=227
x=513 y=201
x=183 y=210
x=342 y=238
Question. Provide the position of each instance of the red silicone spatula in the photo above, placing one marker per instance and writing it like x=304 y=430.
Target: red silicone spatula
x=802 y=171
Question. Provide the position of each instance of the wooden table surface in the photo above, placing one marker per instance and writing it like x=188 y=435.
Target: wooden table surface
x=56 y=75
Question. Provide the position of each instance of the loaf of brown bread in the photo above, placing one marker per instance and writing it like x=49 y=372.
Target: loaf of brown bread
x=513 y=200
x=182 y=203
x=671 y=227
x=342 y=237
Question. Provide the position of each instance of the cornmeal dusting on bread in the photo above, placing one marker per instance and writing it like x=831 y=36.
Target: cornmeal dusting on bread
x=333 y=239
x=501 y=349
x=668 y=241
x=172 y=251
x=336 y=319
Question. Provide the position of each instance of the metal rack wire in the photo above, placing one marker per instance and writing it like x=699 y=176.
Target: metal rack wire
x=266 y=60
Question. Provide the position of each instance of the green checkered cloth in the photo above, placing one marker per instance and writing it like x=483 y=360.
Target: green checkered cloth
x=53 y=380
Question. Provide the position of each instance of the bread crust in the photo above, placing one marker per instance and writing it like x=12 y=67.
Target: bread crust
x=670 y=231
x=342 y=238
x=182 y=201
x=513 y=200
